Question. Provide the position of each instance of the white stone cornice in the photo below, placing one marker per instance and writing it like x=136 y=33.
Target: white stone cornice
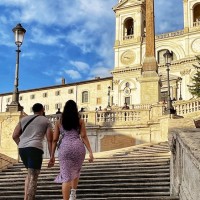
x=117 y=71
x=180 y=62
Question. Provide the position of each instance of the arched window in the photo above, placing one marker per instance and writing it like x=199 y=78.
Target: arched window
x=161 y=59
x=128 y=28
x=85 y=97
x=196 y=15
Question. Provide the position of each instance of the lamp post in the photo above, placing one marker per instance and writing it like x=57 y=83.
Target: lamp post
x=180 y=95
x=168 y=59
x=19 y=33
x=109 y=88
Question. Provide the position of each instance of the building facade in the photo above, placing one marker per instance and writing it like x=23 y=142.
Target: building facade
x=129 y=49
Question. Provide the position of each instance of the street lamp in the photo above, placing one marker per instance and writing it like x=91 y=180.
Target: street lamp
x=168 y=59
x=109 y=88
x=19 y=33
x=180 y=95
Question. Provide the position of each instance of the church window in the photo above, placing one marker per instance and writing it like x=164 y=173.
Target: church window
x=32 y=96
x=8 y=100
x=46 y=107
x=196 y=15
x=128 y=28
x=57 y=93
x=21 y=98
x=45 y=94
x=85 y=97
x=127 y=100
x=58 y=105
x=164 y=96
x=161 y=59
x=70 y=91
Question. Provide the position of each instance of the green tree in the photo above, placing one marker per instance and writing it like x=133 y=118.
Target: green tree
x=195 y=88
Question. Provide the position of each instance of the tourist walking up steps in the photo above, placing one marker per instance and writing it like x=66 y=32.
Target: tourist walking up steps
x=29 y=135
x=71 y=149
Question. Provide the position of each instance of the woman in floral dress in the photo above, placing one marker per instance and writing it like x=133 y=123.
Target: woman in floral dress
x=71 y=152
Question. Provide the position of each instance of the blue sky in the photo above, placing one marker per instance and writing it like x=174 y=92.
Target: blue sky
x=66 y=38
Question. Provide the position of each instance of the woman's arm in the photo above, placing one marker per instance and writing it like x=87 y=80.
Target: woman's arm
x=54 y=143
x=85 y=140
x=49 y=137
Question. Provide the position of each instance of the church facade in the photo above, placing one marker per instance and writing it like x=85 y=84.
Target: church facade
x=124 y=86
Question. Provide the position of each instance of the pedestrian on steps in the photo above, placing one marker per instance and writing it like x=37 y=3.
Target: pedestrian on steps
x=71 y=151
x=29 y=135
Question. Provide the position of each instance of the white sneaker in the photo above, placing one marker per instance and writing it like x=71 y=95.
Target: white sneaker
x=72 y=195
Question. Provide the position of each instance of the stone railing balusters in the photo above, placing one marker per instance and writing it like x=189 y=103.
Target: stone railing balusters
x=187 y=107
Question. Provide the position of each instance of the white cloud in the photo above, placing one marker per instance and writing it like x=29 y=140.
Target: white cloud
x=73 y=74
x=39 y=35
x=100 y=72
x=58 y=80
x=48 y=73
x=6 y=39
x=83 y=23
x=81 y=66
x=30 y=55
x=81 y=39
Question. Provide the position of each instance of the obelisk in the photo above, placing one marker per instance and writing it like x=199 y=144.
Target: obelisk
x=150 y=81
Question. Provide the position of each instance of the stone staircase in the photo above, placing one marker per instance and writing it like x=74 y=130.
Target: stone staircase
x=139 y=173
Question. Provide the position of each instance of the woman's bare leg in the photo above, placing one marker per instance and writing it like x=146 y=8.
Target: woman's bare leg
x=66 y=187
x=74 y=183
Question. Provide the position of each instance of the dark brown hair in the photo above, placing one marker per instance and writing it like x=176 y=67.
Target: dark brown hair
x=70 y=116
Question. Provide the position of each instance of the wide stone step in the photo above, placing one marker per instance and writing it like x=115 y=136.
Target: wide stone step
x=105 y=166
x=46 y=197
x=134 y=173
x=139 y=182
x=155 y=169
x=139 y=159
x=104 y=190
x=90 y=185
x=93 y=173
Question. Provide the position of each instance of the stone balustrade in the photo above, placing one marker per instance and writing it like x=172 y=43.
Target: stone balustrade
x=128 y=37
x=138 y=115
x=185 y=163
x=184 y=108
x=171 y=34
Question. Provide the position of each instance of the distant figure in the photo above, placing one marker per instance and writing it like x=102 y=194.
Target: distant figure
x=58 y=112
x=125 y=107
x=81 y=110
x=71 y=151
x=100 y=108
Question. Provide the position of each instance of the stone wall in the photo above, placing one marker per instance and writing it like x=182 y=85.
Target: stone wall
x=185 y=163
x=8 y=121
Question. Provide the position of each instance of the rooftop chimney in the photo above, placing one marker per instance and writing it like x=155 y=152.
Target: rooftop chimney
x=63 y=81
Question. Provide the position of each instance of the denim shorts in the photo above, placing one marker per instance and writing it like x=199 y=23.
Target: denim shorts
x=31 y=157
